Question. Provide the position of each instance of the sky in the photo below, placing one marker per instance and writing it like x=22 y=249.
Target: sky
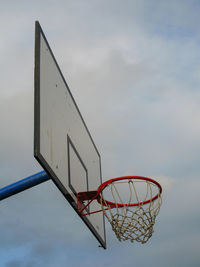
x=133 y=68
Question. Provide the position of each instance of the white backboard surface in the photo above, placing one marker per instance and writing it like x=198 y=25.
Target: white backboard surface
x=62 y=142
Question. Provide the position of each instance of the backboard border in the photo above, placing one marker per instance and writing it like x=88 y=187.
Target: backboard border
x=37 y=154
x=71 y=144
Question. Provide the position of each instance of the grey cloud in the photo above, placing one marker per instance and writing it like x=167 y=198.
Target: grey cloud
x=14 y=263
x=121 y=94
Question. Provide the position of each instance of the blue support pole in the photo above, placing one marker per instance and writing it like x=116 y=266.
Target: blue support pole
x=23 y=184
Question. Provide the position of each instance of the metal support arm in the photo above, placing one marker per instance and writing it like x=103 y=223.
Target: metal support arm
x=23 y=184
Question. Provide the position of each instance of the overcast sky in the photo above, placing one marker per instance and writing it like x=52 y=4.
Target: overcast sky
x=133 y=67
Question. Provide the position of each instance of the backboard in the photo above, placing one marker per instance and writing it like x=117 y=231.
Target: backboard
x=62 y=142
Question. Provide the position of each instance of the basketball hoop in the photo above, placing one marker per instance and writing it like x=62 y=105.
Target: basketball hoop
x=132 y=217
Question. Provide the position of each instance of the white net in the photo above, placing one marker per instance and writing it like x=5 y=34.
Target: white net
x=131 y=222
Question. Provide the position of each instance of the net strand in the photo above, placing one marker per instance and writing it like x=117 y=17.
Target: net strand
x=132 y=222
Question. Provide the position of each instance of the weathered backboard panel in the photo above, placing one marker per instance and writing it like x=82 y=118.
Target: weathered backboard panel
x=62 y=142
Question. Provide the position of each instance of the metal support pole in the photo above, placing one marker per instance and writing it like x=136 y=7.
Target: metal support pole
x=23 y=184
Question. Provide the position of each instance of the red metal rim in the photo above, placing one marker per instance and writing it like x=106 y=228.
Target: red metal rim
x=113 y=204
